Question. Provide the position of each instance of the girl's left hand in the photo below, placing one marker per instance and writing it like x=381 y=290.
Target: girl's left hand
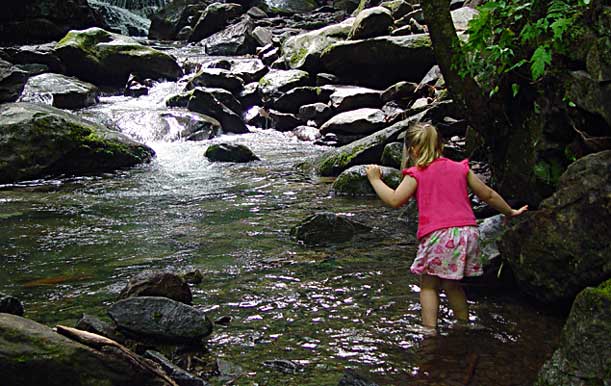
x=373 y=172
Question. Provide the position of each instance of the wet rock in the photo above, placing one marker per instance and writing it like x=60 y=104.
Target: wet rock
x=234 y=40
x=249 y=69
x=10 y=305
x=155 y=283
x=392 y=155
x=65 y=92
x=327 y=228
x=223 y=320
x=37 y=140
x=354 y=182
x=317 y=112
x=324 y=79
x=400 y=58
x=304 y=51
x=250 y=96
x=227 y=152
x=398 y=91
x=257 y=13
x=357 y=122
x=216 y=77
x=292 y=100
x=346 y=98
x=263 y=36
x=33 y=354
x=121 y=20
x=182 y=377
x=307 y=133
x=270 y=55
x=574 y=223
x=136 y=86
x=184 y=33
x=12 y=81
x=95 y=325
x=283 y=121
x=288 y=7
x=214 y=19
x=160 y=318
x=584 y=355
x=280 y=81
x=204 y=102
x=173 y=17
x=44 y=20
x=106 y=58
x=397 y=8
x=371 y=22
x=32 y=54
x=367 y=150
x=351 y=378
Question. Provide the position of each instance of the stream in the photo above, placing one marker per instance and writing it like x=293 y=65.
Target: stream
x=69 y=245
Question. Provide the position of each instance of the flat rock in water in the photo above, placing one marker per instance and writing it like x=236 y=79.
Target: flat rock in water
x=226 y=152
x=155 y=283
x=327 y=228
x=160 y=318
x=65 y=92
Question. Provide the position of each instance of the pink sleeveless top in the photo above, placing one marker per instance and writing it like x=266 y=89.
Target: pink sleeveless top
x=441 y=195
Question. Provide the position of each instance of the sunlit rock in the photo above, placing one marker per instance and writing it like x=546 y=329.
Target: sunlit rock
x=214 y=18
x=354 y=182
x=356 y=122
x=370 y=23
x=345 y=98
x=65 y=92
x=236 y=39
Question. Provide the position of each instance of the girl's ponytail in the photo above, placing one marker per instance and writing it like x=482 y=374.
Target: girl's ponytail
x=422 y=145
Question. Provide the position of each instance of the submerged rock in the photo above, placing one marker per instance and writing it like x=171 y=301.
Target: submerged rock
x=154 y=283
x=102 y=57
x=584 y=355
x=33 y=354
x=354 y=182
x=64 y=92
x=160 y=318
x=227 y=152
x=327 y=228
x=37 y=141
x=564 y=246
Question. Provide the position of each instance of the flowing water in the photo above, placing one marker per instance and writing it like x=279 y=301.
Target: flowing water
x=68 y=246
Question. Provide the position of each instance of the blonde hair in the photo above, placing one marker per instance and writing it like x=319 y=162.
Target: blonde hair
x=423 y=143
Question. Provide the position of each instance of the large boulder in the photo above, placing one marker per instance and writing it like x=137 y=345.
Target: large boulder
x=121 y=20
x=216 y=77
x=33 y=354
x=357 y=122
x=276 y=82
x=345 y=98
x=288 y=7
x=214 y=18
x=327 y=228
x=371 y=22
x=38 y=140
x=41 y=54
x=354 y=182
x=153 y=317
x=386 y=59
x=236 y=39
x=44 y=20
x=564 y=246
x=584 y=355
x=590 y=94
x=174 y=17
x=12 y=81
x=303 y=51
x=62 y=91
x=102 y=57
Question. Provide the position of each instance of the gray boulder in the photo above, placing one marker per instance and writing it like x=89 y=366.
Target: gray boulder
x=589 y=94
x=12 y=81
x=357 y=122
x=216 y=77
x=584 y=355
x=120 y=19
x=156 y=283
x=281 y=81
x=385 y=60
x=152 y=317
x=354 y=182
x=345 y=98
x=327 y=228
x=37 y=140
x=62 y=91
x=397 y=8
x=33 y=354
x=227 y=152
x=371 y=22
x=106 y=58
x=564 y=246
x=34 y=54
x=317 y=112
x=249 y=69
x=288 y=7
x=214 y=18
x=234 y=40
x=392 y=155
x=292 y=100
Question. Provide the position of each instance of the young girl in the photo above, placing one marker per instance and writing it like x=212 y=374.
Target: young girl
x=447 y=230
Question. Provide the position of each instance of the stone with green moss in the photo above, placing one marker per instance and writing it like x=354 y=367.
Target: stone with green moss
x=354 y=182
x=392 y=155
x=106 y=58
x=558 y=250
x=38 y=141
x=280 y=81
x=584 y=355
x=33 y=354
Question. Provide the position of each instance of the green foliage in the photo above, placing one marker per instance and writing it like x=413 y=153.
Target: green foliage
x=508 y=34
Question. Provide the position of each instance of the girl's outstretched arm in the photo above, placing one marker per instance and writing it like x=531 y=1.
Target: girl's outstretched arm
x=394 y=198
x=491 y=197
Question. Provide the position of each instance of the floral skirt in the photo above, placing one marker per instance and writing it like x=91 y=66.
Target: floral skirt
x=450 y=253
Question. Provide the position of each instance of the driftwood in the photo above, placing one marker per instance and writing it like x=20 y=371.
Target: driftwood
x=100 y=342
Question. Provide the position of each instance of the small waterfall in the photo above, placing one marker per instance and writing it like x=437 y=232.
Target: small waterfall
x=140 y=7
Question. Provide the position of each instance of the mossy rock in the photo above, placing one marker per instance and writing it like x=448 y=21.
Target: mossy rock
x=102 y=57
x=226 y=152
x=584 y=355
x=354 y=182
x=38 y=141
x=392 y=155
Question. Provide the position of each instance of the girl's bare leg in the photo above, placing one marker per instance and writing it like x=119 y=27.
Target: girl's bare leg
x=429 y=300
x=456 y=298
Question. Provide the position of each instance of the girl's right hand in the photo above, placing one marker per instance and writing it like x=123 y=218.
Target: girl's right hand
x=517 y=212
x=373 y=172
